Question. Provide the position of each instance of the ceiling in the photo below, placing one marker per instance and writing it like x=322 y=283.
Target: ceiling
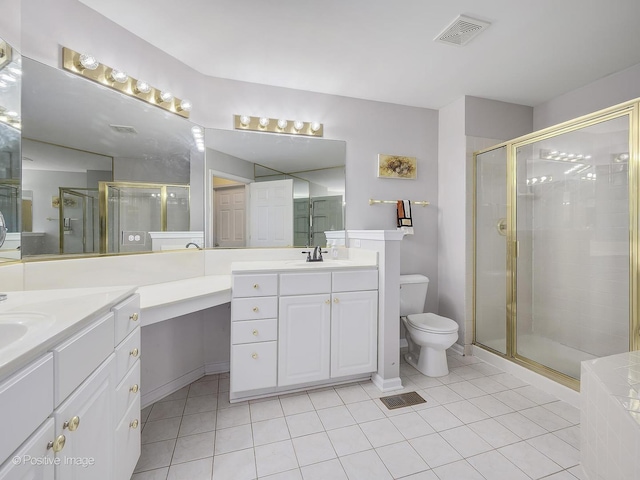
x=384 y=50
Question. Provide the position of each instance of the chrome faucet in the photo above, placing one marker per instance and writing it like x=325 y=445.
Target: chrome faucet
x=317 y=255
x=194 y=244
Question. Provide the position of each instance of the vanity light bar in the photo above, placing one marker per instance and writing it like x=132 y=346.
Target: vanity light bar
x=5 y=53
x=563 y=156
x=275 y=125
x=539 y=180
x=87 y=66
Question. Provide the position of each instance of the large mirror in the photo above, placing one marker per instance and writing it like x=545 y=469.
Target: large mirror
x=104 y=172
x=10 y=75
x=271 y=190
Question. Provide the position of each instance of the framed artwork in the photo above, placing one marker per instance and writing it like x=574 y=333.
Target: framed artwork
x=397 y=166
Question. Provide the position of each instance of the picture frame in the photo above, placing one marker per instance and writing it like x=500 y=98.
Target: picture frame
x=397 y=166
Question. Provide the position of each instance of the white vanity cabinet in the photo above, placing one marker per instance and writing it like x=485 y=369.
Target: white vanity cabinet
x=35 y=460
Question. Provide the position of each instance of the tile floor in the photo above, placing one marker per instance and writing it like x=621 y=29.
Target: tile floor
x=478 y=424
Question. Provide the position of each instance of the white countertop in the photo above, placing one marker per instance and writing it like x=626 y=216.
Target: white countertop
x=299 y=265
x=57 y=315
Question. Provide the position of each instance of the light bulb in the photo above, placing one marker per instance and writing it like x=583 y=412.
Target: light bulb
x=282 y=124
x=196 y=131
x=315 y=126
x=245 y=120
x=264 y=122
x=118 y=76
x=185 y=105
x=165 y=96
x=88 y=61
x=8 y=78
x=298 y=125
x=142 y=87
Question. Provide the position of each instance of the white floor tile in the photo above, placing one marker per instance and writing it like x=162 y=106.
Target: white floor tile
x=313 y=448
x=197 y=423
x=467 y=372
x=535 y=395
x=520 y=425
x=494 y=433
x=155 y=455
x=295 y=474
x=335 y=417
x=349 y=440
x=144 y=413
x=193 y=447
x=239 y=465
x=491 y=405
x=493 y=466
x=488 y=384
x=265 y=410
x=427 y=475
x=571 y=435
x=381 y=432
x=508 y=380
x=195 y=470
x=329 y=470
x=439 y=418
x=203 y=403
x=275 y=458
x=223 y=385
x=411 y=425
x=162 y=410
x=203 y=388
x=325 y=399
x=529 y=460
x=365 y=411
x=233 y=417
x=514 y=400
x=352 y=394
x=401 y=459
x=485 y=368
x=422 y=381
x=466 y=411
x=435 y=450
x=270 y=431
x=564 y=475
x=545 y=418
x=159 y=430
x=458 y=471
x=304 y=424
x=466 y=442
x=578 y=472
x=557 y=450
x=157 y=474
x=365 y=466
x=294 y=404
x=466 y=389
x=233 y=439
x=569 y=413
x=177 y=395
x=443 y=394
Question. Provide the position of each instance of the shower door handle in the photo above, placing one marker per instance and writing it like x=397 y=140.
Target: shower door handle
x=516 y=249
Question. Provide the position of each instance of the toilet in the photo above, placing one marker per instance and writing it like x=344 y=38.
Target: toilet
x=428 y=335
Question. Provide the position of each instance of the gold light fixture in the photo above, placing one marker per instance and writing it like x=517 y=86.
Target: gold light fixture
x=87 y=66
x=5 y=54
x=274 y=125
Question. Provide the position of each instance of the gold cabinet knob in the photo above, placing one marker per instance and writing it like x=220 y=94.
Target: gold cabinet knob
x=134 y=352
x=255 y=285
x=134 y=316
x=134 y=424
x=72 y=424
x=254 y=356
x=255 y=332
x=255 y=309
x=335 y=300
x=57 y=444
x=327 y=302
x=134 y=389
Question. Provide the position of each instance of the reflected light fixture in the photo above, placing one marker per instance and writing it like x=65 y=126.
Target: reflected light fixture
x=198 y=136
x=272 y=125
x=87 y=66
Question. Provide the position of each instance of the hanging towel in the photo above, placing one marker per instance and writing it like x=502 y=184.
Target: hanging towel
x=404 y=213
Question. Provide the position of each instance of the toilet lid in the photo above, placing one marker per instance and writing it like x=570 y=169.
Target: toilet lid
x=430 y=322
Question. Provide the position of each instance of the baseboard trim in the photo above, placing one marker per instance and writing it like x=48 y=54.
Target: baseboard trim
x=386 y=385
x=218 y=367
x=459 y=349
x=159 y=393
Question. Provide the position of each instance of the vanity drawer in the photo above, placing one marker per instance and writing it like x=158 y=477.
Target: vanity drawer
x=305 y=283
x=255 y=285
x=254 y=308
x=75 y=359
x=127 y=317
x=127 y=353
x=249 y=331
x=127 y=440
x=354 y=281
x=128 y=390
x=26 y=398
x=254 y=366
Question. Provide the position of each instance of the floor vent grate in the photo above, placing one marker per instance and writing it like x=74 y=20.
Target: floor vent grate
x=403 y=400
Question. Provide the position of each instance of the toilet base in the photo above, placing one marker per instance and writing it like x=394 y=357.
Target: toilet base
x=430 y=362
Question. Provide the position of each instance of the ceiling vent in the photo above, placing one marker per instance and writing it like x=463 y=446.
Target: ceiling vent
x=462 y=31
x=124 y=129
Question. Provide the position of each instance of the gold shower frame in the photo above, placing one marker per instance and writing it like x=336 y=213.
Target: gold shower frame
x=631 y=109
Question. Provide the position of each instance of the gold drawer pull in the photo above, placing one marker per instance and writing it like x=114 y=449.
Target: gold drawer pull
x=72 y=424
x=255 y=285
x=134 y=389
x=327 y=302
x=134 y=317
x=57 y=444
x=254 y=356
x=255 y=309
x=255 y=332
x=134 y=424
x=134 y=352
x=335 y=300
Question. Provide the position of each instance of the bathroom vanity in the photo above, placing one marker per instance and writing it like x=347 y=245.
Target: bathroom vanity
x=69 y=384
x=297 y=324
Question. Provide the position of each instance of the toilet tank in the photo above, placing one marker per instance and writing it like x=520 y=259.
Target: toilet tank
x=413 y=293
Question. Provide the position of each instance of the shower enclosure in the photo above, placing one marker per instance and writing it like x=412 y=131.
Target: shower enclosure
x=556 y=244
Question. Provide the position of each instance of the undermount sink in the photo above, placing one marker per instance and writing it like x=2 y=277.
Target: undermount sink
x=15 y=325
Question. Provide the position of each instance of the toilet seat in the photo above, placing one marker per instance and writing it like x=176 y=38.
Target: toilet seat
x=432 y=323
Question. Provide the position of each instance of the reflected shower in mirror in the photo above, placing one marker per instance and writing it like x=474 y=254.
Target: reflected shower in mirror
x=270 y=190
x=103 y=172
x=10 y=124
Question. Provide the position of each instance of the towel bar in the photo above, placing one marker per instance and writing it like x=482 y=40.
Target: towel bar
x=375 y=202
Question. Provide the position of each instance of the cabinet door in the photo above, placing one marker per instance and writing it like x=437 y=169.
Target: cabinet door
x=304 y=339
x=35 y=460
x=88 y=450
x=354 y=333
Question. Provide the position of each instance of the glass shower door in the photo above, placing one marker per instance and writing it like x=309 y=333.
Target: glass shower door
x=572 y=249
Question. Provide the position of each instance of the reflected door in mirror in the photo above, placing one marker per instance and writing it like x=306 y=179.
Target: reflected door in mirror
x=230 y=214
x=271 y=210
